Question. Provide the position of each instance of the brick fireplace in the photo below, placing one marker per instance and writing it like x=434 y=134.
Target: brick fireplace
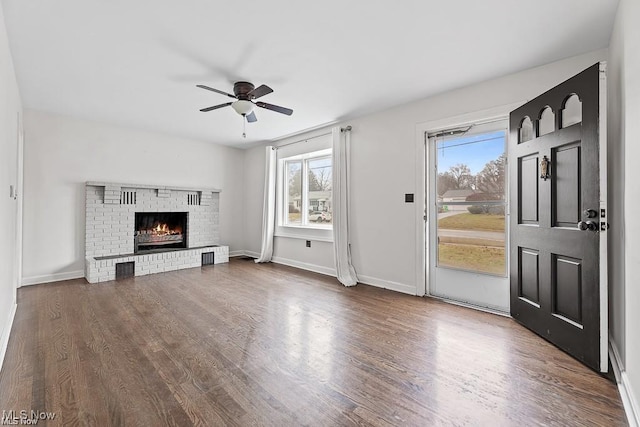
x=143 y=229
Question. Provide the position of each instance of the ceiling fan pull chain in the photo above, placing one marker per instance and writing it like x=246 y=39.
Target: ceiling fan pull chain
x=244 y=126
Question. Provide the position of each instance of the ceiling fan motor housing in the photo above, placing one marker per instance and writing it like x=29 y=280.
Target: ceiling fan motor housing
x=242 y=89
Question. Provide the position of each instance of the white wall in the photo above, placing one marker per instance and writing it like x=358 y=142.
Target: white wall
x=383 y=160
x=62 y=153
x=630 y=131
x=254 y=163
x=10 y=108
x=623 y=135
x=616 y=185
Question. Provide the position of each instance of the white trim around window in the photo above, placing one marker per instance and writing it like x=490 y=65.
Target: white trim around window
x=306 y=229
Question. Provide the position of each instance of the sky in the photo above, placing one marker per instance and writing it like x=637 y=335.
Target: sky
x=474 y=151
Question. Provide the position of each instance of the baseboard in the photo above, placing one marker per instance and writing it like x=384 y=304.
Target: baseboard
x=366 y=280
x=305 y=266
x=55 y=277
x=251 y=254
x=616 y=360
x=6 y=332
x=387 y=284
x=628 y=397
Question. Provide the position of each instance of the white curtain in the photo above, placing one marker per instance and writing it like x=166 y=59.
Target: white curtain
x=269 y=208
x=342 y=249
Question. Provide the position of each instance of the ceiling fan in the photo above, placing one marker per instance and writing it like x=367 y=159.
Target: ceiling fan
x=245 y=93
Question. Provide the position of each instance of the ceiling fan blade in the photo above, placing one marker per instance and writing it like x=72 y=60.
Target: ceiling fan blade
x=215 y=107
x=275 y=108
x=261 y=90
x=251 y=117
x=215 y=90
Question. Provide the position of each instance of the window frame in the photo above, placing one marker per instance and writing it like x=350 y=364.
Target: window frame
x=304 y=230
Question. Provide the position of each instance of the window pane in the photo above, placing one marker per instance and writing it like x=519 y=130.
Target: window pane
x=294 y=193
x=319 y=181
x=471 y=202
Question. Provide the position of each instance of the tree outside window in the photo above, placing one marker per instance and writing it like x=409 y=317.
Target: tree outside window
x=308 y=192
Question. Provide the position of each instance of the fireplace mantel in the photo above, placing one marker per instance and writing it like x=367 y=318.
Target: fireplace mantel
x=151 y=187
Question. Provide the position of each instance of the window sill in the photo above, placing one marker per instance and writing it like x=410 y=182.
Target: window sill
x=305 y=233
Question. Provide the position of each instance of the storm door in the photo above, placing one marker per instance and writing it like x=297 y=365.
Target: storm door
x=467 y=201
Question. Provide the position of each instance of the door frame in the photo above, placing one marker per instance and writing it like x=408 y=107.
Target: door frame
x=422 y=188
x=604 y=257
x=20 y=202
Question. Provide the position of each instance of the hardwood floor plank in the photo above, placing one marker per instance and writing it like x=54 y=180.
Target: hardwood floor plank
x=245 y=344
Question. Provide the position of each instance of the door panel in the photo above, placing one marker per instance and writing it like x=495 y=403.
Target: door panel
x=529 y=279
x=566 y=194
x=528 y=187
x=567 y=287
x=554 y=267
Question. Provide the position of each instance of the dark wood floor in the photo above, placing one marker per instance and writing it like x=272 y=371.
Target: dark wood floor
x=246 y=344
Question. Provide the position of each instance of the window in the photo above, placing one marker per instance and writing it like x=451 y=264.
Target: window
x=306 y=181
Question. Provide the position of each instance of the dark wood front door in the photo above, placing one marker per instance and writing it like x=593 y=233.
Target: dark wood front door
x=555 y=229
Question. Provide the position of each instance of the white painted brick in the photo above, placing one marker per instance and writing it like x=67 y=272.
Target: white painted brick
x=109 y=227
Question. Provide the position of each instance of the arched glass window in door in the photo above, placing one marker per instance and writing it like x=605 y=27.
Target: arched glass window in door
x=526 y=130
x=572 y=111
x=546 y=121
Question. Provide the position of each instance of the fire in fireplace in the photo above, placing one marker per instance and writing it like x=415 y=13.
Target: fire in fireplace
x=160 y=230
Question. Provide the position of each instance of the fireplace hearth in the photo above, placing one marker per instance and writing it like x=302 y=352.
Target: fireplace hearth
x=160 y=230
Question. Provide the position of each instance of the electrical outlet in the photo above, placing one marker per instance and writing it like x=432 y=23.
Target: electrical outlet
x=308 y=243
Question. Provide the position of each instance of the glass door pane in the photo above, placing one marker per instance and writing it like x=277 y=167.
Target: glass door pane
x=470 y=188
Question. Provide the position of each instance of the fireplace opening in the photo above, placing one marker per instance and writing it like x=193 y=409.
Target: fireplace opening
x=160 y=230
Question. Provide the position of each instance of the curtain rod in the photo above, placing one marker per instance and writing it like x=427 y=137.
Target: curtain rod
x=344 y=129
x=275 y=147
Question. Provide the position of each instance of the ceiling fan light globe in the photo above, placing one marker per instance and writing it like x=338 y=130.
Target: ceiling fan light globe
x=243 y=107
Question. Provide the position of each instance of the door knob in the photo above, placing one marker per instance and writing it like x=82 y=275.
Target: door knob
x=590 y=213
x=588 y=225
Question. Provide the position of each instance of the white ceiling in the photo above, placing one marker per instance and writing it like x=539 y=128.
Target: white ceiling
x=136 y=62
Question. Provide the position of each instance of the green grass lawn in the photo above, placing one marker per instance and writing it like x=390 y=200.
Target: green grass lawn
x=468 y=221
x=295 y=217
x=469 y=257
